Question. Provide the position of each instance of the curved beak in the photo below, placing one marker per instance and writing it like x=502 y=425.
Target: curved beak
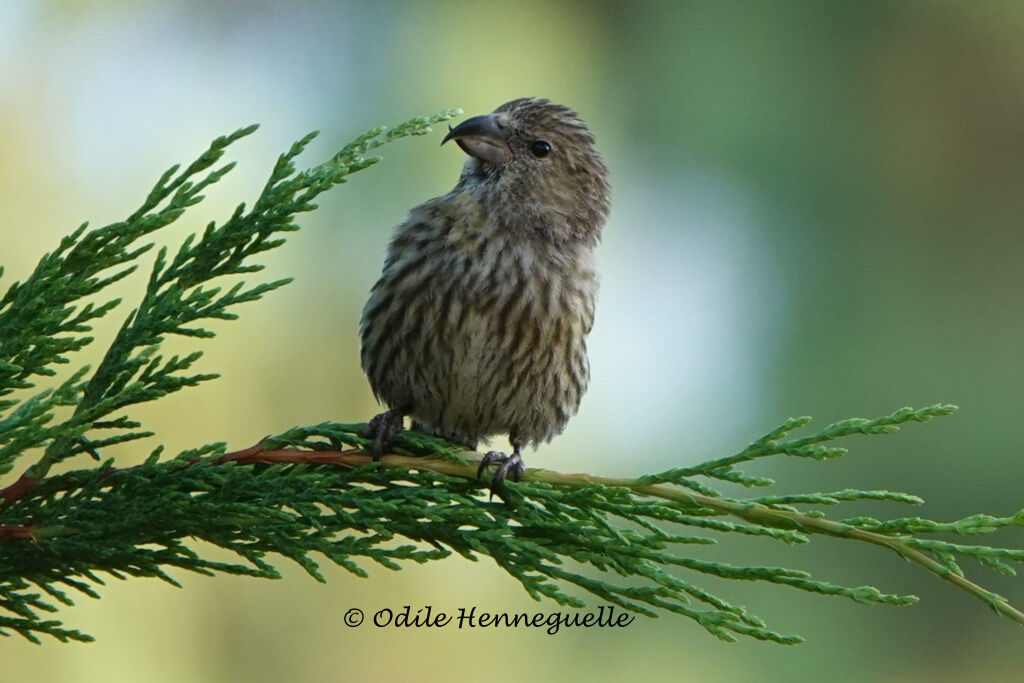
x=480 y=137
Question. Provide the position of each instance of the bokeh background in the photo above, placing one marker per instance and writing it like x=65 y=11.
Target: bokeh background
x=817 y=210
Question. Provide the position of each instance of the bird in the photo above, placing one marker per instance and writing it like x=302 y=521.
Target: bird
x=478 y=324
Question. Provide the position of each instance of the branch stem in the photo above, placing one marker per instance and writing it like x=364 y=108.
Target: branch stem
x=750 y=512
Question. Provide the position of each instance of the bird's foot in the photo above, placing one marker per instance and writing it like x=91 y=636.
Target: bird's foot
x=507 y=465
x=383 y=429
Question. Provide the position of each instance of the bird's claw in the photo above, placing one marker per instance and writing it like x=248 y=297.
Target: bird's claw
x=383 y=429
x=507 y=465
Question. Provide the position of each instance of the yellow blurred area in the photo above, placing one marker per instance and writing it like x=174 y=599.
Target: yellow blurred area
x=817 y=210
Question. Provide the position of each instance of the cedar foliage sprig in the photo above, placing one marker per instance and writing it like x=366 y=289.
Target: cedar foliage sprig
x=312 y=493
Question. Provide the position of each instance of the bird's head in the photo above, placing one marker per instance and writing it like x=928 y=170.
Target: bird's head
x=534 y=167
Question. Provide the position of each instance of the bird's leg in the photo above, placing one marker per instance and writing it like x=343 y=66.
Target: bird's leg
x=383 y=429
x=507 y=465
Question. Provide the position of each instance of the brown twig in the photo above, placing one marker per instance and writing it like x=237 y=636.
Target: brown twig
x=18 y=489
x=8 y=531
x=255 y=454
x=751 y=512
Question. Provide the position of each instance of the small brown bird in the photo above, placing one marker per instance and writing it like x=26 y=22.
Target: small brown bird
x=478 y=324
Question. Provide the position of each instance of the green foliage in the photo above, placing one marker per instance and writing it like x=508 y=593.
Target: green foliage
x=311 y=493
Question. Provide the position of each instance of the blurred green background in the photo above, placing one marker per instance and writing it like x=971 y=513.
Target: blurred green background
x=816 y=210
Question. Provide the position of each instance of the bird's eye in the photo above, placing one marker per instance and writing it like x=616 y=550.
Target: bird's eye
x=540 y=148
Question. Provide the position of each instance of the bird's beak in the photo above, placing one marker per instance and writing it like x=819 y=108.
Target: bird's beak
x=480 y=137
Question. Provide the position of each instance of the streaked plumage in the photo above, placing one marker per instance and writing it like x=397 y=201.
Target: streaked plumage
x=479 y=321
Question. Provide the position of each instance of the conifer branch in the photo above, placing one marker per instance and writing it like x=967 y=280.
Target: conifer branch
x=313 y=493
